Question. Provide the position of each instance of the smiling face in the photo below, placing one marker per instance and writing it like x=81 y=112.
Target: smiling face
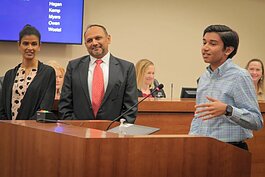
x=29 y=46
x=255 y=70
x=97 y=41
x=213 y=51
x=149 y=75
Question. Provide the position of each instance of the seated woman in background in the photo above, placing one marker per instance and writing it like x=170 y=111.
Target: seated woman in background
x=30 y=86
x=145 y=71
x=60 y=71
x=256 y=69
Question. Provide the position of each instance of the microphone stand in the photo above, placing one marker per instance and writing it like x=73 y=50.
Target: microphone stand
x=117 y=118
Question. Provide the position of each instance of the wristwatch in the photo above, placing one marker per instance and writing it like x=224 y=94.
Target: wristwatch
x=228 y=110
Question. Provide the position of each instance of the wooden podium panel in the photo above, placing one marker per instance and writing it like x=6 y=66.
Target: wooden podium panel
x=171 y=116
x=31 y=149
x=175 y=116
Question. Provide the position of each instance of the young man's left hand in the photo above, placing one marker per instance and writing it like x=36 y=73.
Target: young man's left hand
x=210 y=110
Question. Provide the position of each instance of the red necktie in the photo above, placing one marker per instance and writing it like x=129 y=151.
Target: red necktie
x=97 y=87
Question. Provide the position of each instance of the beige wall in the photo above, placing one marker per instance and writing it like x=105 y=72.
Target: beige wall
x=169 y=32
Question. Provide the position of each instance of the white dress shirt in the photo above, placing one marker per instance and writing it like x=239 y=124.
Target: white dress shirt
x=105 y=68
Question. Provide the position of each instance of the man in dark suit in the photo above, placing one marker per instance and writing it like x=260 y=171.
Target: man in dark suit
x=120 y=91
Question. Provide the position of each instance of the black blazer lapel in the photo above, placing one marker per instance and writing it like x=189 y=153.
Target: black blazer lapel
x=83 y=75
x=9 y=98
x=9 y=91
x=114 y=72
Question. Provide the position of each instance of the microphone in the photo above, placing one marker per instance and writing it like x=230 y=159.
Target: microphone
x=159 y=87
x=156 y=83
x=171 y=91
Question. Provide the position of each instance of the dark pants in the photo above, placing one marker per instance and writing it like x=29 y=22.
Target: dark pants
x=241 y=144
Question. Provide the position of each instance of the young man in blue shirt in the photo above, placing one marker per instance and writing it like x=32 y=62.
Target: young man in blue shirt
x=226 y=103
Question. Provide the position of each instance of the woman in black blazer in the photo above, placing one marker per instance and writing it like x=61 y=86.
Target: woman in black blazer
x=30 y=86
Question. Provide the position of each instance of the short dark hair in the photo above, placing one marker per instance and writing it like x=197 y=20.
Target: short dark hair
x=100 y=26
x=29 y=30
x=229 y=37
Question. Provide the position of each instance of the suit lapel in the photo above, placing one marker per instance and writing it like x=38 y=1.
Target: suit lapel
x=9 y=95
x=113 y=76
x=10 y=89
x=83 y=75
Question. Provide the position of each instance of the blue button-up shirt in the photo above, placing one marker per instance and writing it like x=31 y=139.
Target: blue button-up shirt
x=232 y=85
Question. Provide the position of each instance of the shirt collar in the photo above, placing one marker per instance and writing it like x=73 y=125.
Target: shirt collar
x=221 y=69
x=105 y=59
